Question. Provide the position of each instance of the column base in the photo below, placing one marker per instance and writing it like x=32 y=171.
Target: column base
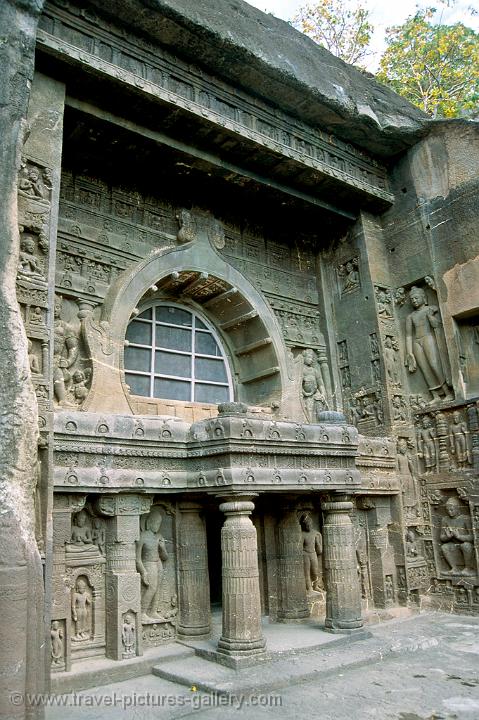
x=292 y=615
x=241 y=647
x=199 y=632
x=343 y=626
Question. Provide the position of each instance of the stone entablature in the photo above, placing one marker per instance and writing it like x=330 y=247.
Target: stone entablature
x=165 y=454
x=84 y=39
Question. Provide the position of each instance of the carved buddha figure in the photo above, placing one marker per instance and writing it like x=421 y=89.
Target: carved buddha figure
x=458 y=440
x=426 y=444
x=150 y=554
x=457 y=540
x=424 y=345
x=406 y=470
x=312 y=552
x=56 y=637
x=128 y=634
x=81 y=539
x=81 y=603
x=28 y=264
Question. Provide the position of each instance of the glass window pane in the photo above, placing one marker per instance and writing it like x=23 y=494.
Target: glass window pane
x=211 y=393
x=173 y=315
x=172 y=364
x=146 y=314
x=139 y=384
x=206 y=369
x=137 y=359
x=173 y=338
x=200 y=324
x=172 y=389
x=139 y=332
x=205 y=343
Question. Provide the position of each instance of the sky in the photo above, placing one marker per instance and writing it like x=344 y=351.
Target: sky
x=383 y=14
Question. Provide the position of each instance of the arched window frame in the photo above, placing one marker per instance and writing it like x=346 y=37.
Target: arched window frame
x=209 y=328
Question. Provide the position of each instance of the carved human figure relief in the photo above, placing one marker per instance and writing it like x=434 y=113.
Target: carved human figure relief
x=98 y=534
x=56 y=640
x=457 y=541
x=128 y=636
x=399 y=409
x=426 y=444
x=33 y=181
x=348 y=274
x=312 y=554
x=79 y=389
x=383 y=304
x=425 y=346
x=412 y=551
x=312 y=387
x=33 y=360
x=187 y=230
x=81 y=610
x=65 y=353
x=391 y=360
x=29 y=266
x=458 y=439
x=406 y=472
x=151 y=553
x=82 y=538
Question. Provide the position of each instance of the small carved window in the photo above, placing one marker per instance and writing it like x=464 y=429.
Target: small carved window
x=173 y=354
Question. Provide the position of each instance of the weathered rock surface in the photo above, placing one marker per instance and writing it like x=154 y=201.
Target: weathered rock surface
x=21 y=584
x=260 y=51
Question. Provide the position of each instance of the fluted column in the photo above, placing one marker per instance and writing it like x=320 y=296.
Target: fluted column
x=343 y=594
x=194 y=584
x=293 y=604
x=242 y=634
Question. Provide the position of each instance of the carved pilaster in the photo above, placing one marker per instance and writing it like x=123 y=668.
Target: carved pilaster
x=291 y=583
x=194 y=584
x=242 y=634
x=343 y=595
x=123 y=585
x=473 y=422
x=63 y=508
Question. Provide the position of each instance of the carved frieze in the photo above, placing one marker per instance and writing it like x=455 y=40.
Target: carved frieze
x=168 y=79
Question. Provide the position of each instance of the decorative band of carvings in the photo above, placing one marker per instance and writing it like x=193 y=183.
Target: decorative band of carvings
x=285 y=138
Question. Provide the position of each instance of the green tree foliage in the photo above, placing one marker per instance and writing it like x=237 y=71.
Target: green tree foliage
x=341 y=26
x=434 y=66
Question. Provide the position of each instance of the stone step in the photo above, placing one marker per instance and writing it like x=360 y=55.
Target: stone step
x=92 y=673
x=287 y=668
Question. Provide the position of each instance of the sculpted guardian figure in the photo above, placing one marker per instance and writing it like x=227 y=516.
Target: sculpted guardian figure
x=425 y=346
x=150 y=554
x=313 y=390
x=65 y=352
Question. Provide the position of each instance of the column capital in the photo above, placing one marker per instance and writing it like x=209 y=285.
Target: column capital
x=237 y=503
x=69 y=503
x=345 y=506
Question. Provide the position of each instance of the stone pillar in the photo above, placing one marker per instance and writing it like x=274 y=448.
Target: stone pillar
x=194 y=584
x=381 y=554
x=242 y=634
x=293 y=604
x=343 y=594
x=123 y=584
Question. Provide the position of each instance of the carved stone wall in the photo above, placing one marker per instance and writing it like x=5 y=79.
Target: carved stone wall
x=335 y=283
